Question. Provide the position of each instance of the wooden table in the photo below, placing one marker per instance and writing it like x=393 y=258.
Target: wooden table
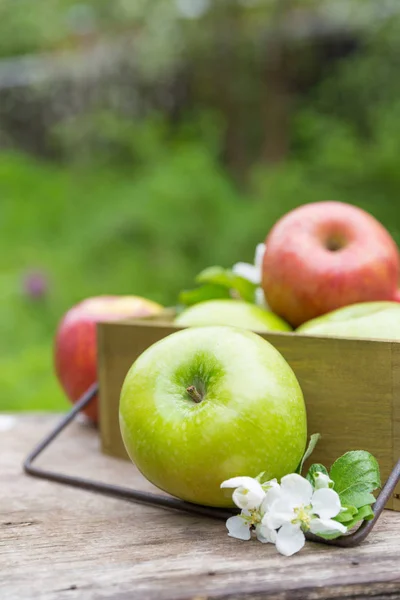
x=59 y=542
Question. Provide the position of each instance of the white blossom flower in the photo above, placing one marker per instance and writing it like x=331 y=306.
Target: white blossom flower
x=259 y=298
x=265 y=534
x=281 y=513
x=295 y=507
x=252 y=272
x=321 y=480
x=269 y=484
x=248 y=494
x=241 y=526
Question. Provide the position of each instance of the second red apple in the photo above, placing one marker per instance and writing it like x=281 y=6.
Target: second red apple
x=75 y=349
x=325 y=255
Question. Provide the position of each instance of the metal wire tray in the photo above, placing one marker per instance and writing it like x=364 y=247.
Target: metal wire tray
x=347 y=540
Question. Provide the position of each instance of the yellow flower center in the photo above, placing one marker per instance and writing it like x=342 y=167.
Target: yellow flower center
x=302 y=516
x=254 y=518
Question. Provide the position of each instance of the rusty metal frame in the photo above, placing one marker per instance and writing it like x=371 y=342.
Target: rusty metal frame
x=345 y=541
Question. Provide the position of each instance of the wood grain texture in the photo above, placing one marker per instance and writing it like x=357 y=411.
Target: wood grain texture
x=60 y=543
x=351 y=388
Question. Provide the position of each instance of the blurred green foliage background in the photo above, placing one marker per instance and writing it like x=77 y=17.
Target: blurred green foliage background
x=141 y=142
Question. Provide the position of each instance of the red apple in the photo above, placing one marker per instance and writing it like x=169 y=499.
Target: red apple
x=325 y=255
x=75 y=350
x=396 y=297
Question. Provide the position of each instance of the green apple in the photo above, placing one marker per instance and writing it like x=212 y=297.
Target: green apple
x=209 y=403
x=379 y=320
x=234 y=313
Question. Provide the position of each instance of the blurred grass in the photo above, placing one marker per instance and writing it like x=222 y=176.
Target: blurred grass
x=149 y=228
x=97 y=232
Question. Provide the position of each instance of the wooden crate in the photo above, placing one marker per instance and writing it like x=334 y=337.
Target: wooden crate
x=351 y=388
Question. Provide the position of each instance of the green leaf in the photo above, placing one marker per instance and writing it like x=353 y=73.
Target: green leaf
x=203 y=293
x=350 y=518
x=365 y=513
x=310 y=449
x=315 y=468
x=329 y=536
x=260 y=476
x=355 y=476
x=228 y=279
x=347 y=515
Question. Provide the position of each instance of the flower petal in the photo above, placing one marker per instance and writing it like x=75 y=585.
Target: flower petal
x=259 y=297
x=272 y=483
x=265 y=534
x=248 y=271
x=290 y=539
x=278 y=513
x=274 y=493
x=298 y=488
x=259 y=256
x=326 y=503
x=235 y=482
x=326 y=526
x=248 y=493
x=322 y=481
x=237 y=528
x=250 y=499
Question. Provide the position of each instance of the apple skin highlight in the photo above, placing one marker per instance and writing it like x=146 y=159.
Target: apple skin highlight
x=251 y=416
x=368 y=320
x=326 y=255
x=233 y=313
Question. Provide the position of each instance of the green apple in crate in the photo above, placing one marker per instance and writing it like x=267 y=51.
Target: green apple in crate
x=374 y=320
x=232 y=313
x=209 y=403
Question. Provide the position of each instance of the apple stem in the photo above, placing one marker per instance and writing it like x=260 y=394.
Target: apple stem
x=194 y=394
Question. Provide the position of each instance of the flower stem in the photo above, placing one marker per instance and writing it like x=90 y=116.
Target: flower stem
x=194 y=394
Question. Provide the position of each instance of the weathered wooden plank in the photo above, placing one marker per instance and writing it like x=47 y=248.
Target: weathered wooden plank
x=57 y=542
